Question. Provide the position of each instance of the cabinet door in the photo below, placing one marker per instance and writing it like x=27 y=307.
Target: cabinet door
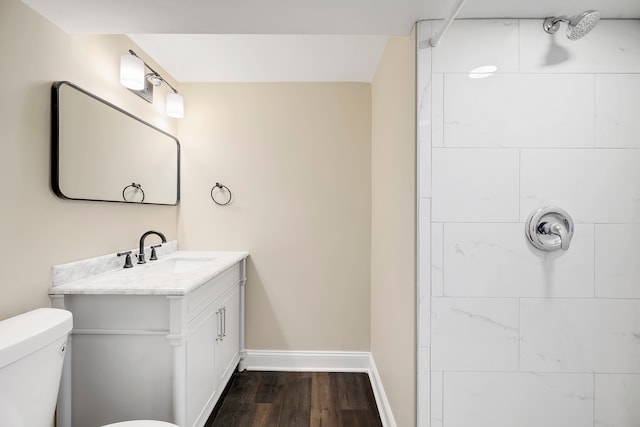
x=228 y=350
x=201 y=375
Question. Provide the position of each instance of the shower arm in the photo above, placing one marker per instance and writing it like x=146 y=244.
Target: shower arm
x=435 y=39
x=552 y=24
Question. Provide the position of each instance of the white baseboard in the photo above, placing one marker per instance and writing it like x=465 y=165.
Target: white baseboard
x=309 y=361
x=324 y=361
x=386 y=416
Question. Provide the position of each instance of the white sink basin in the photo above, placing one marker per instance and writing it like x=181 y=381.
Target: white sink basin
x=179 y=264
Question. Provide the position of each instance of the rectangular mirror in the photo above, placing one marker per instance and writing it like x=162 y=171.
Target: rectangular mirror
x=101 y=152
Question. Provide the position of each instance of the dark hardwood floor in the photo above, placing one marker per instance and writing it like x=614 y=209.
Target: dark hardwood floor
x=296 y=399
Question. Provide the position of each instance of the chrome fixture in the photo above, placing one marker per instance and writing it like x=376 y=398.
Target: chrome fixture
x=549 y=229
x=134 y=78
x=140 y=254
x=577 y=26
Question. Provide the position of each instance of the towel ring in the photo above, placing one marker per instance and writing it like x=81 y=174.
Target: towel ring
x=221 y=187
x=136 y=186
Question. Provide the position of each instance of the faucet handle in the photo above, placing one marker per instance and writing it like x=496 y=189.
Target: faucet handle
x=127 y=260
x=154 y=255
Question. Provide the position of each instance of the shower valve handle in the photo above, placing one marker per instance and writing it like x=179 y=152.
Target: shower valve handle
x=555 y=229
x=549 y=229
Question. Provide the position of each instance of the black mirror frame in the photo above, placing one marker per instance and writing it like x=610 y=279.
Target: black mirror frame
x=55 y=144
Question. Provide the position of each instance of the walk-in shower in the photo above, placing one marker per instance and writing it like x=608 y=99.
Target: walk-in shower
x=578 y=26
x=515 y=331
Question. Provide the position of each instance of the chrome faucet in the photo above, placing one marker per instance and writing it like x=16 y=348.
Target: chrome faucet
x=140 y=255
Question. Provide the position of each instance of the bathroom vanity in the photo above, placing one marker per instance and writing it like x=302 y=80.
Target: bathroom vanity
x=157 y=341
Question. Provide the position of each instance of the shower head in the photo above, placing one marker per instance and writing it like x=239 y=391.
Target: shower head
x=577 y=26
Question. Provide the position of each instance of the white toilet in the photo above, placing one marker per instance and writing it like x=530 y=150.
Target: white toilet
x=32 y=347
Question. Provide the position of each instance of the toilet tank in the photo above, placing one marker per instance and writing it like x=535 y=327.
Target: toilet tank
x=32 y=347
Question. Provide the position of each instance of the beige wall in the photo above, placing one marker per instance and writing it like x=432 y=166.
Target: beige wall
x=297 y=158
x=393 y=229
x=331 y=267
x=37 y=229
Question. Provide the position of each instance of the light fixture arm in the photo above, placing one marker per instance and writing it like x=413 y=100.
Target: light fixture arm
x=155 y=73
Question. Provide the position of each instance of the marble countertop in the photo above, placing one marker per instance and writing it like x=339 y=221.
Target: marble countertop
x=155 y=277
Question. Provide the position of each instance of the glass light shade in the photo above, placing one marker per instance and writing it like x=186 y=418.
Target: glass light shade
x=175 y=105
x=131 y=72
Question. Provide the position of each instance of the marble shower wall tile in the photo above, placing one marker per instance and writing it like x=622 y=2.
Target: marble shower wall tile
x=593 y=186
x=424 y=153
x=424 y=381
x=437 y=110
x=611 y=47
x=499 y=399
x=424 y=111
x=617 y=268
x=475 y=185
x=472 y=334
x=424 y=276
x=617 y=398
x=518 y=110
x=437 y=259
x=474 y=43
x=580 y=335
x=424 y=137
x=437 y=397
x=496 y=260
x=617 y=106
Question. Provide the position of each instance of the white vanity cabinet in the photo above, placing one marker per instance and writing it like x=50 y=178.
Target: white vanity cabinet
x=213 y=343
x=163 y=355
x=229 y=341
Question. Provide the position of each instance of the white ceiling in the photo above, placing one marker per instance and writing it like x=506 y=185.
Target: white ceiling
x=265 y=58
x=283 y=40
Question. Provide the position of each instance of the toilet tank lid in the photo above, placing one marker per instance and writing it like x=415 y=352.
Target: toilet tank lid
x=25 y=333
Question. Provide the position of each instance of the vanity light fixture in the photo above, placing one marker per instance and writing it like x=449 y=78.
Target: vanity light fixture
x=132 y=72
x=134 y=78
x=175 y=105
